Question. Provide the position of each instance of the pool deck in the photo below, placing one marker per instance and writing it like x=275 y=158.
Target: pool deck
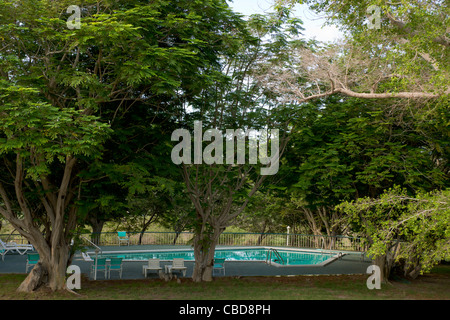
x=348 y=264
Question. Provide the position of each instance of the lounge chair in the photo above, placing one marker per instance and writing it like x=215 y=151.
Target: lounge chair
x=153 y=265
x=177 y=265
x=115 y=265
x=123 y=237
x=4 y=249
x=32 y=260
x=101 y=266
x=12 y=246
x=219 y=264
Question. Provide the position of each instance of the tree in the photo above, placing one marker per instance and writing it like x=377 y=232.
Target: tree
x=221 y=188
x=150 y=205
x=345 y=149
x=41 y=146
x=415 y=229
x=405 y=57
x=181 y=213
x=63 y=91
x=264 y=214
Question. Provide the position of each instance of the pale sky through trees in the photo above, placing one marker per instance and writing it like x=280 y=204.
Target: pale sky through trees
x=312 y=22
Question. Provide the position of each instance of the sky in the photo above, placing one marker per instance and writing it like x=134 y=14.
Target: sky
x=312 y=22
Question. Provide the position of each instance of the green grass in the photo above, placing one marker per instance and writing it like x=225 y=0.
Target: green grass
x=431 y=286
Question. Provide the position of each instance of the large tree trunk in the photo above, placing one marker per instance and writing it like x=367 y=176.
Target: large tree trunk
x=386 y=261
x=59 y=218
x=97 y=227
x=204 y=249
x=37 y=277
x=50 y=271
x=380 y=261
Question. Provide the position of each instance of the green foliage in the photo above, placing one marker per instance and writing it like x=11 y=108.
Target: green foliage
x=354 y=148
x=421 y=223
x=233 y=99
x=32 y=128
x=106 y=94
x=411 y=43
x=265 y=213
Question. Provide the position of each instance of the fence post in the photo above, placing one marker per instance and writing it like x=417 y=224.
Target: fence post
x=287 y=236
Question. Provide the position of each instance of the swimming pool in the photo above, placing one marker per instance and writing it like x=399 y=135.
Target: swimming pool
x=284 y=256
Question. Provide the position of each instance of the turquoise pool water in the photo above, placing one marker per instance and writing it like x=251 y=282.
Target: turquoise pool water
x=289 y=257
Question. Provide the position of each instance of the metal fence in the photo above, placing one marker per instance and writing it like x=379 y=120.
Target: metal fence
x=227 y=239
x=239 y=239
x=17 y=238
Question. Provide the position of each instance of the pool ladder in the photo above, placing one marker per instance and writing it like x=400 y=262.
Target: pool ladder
x=273 y=252
x=96 y=246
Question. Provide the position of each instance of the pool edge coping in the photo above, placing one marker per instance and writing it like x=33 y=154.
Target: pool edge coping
x=87 y=258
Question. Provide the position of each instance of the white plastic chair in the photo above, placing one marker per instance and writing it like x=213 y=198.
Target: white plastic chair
x=153 y=265
x=177 y=265
x=3 y=251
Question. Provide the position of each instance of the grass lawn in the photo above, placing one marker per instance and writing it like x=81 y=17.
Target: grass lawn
x=435 y=285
